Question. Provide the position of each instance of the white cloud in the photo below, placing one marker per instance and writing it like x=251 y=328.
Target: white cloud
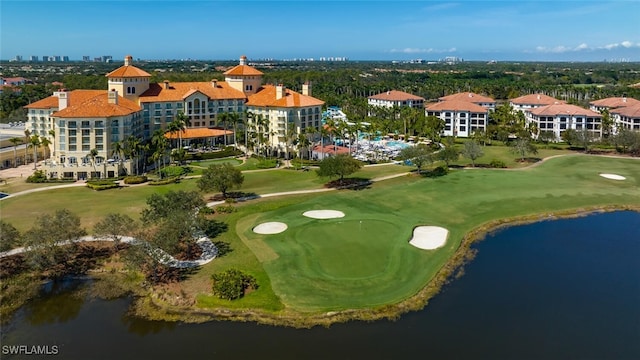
x=584 y=47
x=422 y=51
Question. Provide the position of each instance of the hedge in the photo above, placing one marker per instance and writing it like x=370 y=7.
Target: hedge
x=135 y=179
x=229 y=151
x=170 y=180
x=102 y=184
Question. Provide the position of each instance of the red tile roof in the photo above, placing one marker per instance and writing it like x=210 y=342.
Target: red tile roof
x=74 y=97
x=536 y=99
x=178 y=91
x=468 y=97
x=395 y=95
x=615 y=102
x=127 y=71
x=245 y=70
x=456 y=105
x=98 y=107
x=197 y=133
x=628 y=111
x=266 y=96
x=563 y=109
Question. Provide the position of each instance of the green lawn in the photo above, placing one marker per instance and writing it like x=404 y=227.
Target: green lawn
x=324 y=265
x=364 y=259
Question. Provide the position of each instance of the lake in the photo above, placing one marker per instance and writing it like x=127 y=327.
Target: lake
x=555 y=290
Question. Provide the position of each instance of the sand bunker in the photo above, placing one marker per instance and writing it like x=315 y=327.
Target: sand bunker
x=613 y=176
x=429 y=237
x=324 y=214
x=270 y=228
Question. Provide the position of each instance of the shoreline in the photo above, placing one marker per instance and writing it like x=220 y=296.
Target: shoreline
x=150 y=307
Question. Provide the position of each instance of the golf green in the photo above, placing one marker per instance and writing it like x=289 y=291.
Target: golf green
x=337 y=245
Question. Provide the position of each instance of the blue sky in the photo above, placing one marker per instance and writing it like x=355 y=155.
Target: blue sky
x=359 y=30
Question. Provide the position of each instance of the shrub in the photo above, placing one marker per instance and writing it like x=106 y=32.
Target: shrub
x=225 y=209
x=232 y=284
x=166 y=181
x=135 y=179
x=497 y=164
x=37 y=177
x=99 y=185
x=441 y=170
x=229 y=151
x=206 y=210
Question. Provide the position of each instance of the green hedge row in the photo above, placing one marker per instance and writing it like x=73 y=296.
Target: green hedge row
x=135 y=179
x=170 y=180
x=101 y=185
x=226 y=152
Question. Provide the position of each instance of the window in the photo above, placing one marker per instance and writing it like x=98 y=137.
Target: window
x=72 y=125
x=99 y=132
x=99 y=124
x=72 y=133
x=86 y=132
x=86 y=124
x=463 y=128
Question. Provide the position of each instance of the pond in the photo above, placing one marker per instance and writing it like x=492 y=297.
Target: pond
x=554 y=290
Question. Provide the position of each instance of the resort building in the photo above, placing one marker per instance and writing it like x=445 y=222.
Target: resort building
x=627 y=117
x=558 y=118
x=80 y=121
x=481 y=100
x=76 y=122
x=612 y=103
x=532 y=101
x=395 y=98
x=288 y=113
x=461 y=118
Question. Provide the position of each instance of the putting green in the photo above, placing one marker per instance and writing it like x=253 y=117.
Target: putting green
x=363 y=259
x=337 y=245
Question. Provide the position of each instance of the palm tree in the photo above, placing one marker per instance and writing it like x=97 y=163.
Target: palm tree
x=45 y=142
x=15 y=141
x=34 y=142
x=178 y=125
x=224 y=118
x=132 y=146
x=92 y=155
x=52 y=133
x=159 y=141
x=27 y=137
x=234 y=119
x=117 y=150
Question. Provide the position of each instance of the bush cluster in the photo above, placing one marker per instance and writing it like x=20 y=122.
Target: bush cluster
x=37 y=177
x=135 y=179
x=225 y=209
x=497 y=164
x=170 y=180
x=226 y=152
x=232 y=284
x=101 y=184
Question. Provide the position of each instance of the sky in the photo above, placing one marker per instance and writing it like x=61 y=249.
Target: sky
x=541 y=30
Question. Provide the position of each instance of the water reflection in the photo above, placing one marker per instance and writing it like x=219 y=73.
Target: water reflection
x=143 y=327
x=58 y=302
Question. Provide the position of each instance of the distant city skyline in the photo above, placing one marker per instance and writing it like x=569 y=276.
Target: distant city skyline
x=357 y=30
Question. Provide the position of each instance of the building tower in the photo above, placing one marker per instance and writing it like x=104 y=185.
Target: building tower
x=128 y=80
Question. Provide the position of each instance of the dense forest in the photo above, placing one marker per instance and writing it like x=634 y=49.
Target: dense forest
x=348 y=84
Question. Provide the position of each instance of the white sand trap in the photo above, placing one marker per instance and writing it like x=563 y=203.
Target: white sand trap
x=613 y=176
x=269 y=228
x=429 y=237
x=323 y=214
